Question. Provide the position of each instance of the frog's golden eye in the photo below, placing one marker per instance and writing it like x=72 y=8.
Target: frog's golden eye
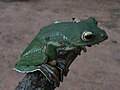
x=86 y=36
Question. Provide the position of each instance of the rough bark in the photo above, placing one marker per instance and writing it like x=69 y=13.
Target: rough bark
x=37 y=81
x=34 y=81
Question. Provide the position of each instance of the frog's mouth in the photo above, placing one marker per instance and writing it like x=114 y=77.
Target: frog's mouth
x=84 y=47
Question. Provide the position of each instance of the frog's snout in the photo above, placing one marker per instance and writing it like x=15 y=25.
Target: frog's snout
x=104 y=35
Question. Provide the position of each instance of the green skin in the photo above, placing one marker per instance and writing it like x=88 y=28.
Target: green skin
x=64 y=36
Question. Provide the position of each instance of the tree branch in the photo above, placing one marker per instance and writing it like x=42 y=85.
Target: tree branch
x=37 y=81
x=34 y=81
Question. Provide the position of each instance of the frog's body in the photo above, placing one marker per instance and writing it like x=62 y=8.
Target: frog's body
x=61 y=36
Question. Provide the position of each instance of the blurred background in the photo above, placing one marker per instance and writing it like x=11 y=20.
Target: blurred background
x=20 y=21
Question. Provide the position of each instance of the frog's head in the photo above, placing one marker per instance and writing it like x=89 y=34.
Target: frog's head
x=89 y=33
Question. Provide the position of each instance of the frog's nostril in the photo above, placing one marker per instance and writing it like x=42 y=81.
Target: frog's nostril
x=104 y=36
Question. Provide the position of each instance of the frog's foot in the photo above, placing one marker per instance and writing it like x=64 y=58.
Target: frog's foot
x=61 y=65
x=83 y=48
x=51 y=74
x=52 y=63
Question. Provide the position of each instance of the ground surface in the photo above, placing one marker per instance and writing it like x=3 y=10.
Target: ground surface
x=98 y=69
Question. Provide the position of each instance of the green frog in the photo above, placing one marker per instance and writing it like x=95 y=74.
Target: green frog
x=49 y=50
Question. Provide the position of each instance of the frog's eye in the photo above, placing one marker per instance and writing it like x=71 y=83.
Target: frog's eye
x=86 y=36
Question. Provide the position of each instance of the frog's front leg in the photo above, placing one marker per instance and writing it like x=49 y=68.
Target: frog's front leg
x=65 y=50
x=51 y=52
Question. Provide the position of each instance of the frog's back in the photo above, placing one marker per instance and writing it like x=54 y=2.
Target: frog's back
x=58 y=27
x=39 y=41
